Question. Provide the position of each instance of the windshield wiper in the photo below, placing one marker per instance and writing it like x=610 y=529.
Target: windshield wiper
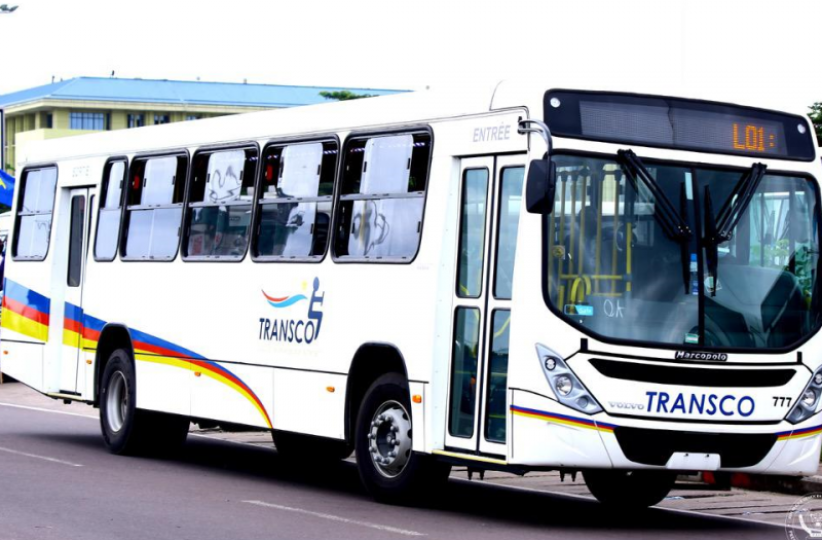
x=664 y=212
x=740 y=198
x=719 y=228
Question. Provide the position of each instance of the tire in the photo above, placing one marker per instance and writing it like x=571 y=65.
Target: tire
x=405 y=476
x=126 y=429
x=629 y=490
x=310 y=450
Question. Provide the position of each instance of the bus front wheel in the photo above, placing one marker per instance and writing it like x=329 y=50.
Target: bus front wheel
x=390 y=470
x=127 y=429
x=629 y=490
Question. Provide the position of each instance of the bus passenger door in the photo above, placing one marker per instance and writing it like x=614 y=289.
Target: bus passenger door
x=507 y=203
x=76 y=222
x=490 y=196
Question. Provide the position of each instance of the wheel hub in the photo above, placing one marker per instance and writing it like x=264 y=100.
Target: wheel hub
x=389 y=439
x=116 y=402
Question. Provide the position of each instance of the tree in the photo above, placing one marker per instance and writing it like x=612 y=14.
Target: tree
x=344 y=95
x=816 y=118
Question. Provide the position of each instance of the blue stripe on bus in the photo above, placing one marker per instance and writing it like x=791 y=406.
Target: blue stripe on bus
x=74 y=313
x=27 y=297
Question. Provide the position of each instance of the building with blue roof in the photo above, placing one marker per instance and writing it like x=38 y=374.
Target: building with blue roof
x=88 y=104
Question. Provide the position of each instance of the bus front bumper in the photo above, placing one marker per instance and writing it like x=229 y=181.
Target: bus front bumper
x=545 y=433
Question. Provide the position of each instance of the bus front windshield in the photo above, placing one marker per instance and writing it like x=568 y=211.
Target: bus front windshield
x=615 y=269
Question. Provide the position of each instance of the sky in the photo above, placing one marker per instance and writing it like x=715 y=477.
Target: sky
x=762 y=49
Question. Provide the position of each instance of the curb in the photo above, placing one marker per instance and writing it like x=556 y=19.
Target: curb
x=792 y=485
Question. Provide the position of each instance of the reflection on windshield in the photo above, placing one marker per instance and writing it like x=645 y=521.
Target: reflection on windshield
x=612 y=269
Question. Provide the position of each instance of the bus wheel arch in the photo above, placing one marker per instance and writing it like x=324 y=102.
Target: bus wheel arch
x=113 y=337
x=388 y=467
x=126 y=429
x=370 y=362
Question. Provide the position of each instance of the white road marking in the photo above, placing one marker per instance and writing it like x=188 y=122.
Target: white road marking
x=40 y=409
x=44 y=458
x=339 y=519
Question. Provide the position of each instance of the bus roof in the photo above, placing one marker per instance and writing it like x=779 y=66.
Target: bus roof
x=400 y=109
x=410 y=108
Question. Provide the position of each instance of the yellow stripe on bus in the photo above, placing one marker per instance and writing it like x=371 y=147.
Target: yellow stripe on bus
x=555 y=420
x=166 y=360
x=470 y=457
x=22 y=325
x=185 y=364
x=71 y=338
x=219 y=378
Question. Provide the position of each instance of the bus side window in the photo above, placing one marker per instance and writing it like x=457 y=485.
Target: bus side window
x=295 y=200
x=76 y=226
x=218 y=217
x=155 y=207
x=382 y=197
x=466 y=358
x=34 y=212
x=108 y=218
x=497 y=377
x=510 y=203
x=472 y=233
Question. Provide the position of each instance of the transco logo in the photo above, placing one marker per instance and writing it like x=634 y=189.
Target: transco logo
x=701 y=404
x=302 y=331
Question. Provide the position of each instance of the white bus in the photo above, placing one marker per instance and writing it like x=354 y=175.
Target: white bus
x=520 y=279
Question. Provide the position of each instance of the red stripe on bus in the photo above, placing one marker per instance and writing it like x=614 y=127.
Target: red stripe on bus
x=91 y=334
x=74 y=326
x=26 y=311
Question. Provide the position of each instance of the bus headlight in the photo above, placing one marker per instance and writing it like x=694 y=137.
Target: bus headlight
x=566 y=386
x=808 y=401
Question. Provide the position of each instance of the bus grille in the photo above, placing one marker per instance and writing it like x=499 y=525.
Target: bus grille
x=656 y=446
x=694 y=376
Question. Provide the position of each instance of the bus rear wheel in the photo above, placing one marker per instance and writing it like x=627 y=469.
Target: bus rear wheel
x=126 y=429
x=629 y=490
x=390 y=470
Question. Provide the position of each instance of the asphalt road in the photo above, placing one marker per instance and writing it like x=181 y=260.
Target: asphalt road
x=57 y=481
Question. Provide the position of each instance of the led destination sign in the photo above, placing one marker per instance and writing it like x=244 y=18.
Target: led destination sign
x=678 y=123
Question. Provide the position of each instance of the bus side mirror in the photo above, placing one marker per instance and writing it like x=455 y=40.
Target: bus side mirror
x=541 y=186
